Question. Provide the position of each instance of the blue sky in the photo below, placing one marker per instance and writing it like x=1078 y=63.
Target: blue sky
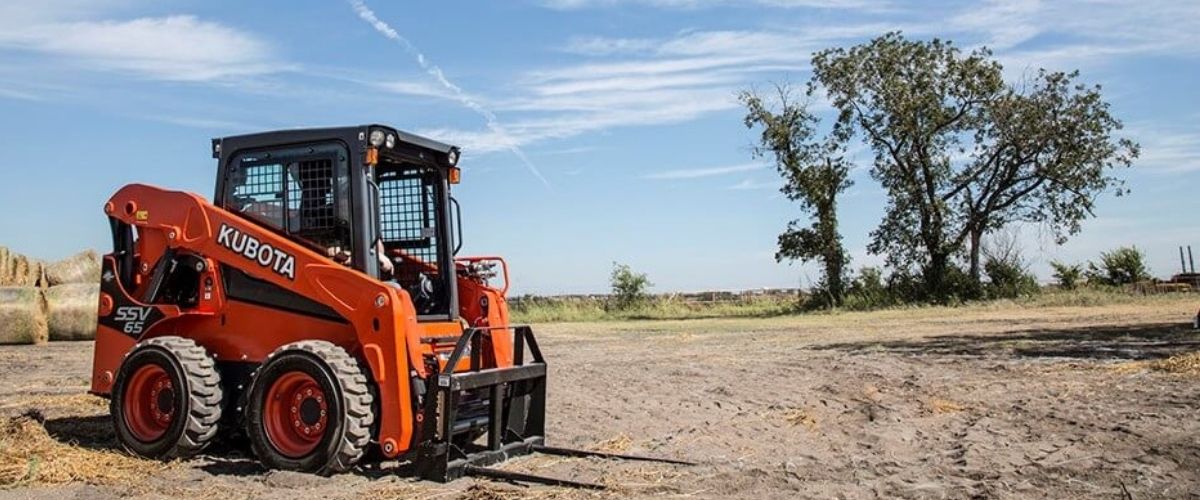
x=594 y=130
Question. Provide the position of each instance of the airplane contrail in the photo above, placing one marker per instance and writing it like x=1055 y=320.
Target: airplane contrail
x=489 y=117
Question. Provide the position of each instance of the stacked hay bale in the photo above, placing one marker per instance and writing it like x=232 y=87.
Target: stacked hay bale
x=23 y=315
x=19 y=270
x=74 y=291
x=40 y=302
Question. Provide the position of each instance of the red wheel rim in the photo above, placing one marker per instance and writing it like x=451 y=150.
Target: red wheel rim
x=149 y=405
x=296 y=414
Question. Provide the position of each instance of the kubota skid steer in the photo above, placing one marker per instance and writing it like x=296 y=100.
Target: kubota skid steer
x=317 y=306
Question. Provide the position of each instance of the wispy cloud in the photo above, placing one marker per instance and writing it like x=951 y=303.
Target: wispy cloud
x=493 y=124
x=696 y=173
x=643 y=82
x=1166 y=150
x=177 y=48
x=754 y=185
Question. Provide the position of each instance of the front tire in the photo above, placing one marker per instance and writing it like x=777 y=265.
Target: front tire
x=167 y=399
x=309 y=409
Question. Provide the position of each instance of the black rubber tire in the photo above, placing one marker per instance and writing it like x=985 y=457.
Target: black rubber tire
x=351 y=416
x=189 y=366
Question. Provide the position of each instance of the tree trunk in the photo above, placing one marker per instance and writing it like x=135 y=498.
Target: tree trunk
x=833 y=276
x=976 y=241
x=834 y=254
x=935 y=277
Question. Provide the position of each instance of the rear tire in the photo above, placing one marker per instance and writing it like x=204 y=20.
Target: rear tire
x=309 y=409
x=167 y=399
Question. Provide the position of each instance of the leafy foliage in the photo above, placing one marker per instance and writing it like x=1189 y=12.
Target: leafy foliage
x=868 y=290
x=961 y=153
x=1122 y=266
x=1067 y=275
x=628 y=287
x=815 y=171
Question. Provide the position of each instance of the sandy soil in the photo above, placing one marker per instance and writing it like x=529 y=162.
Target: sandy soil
x=981 y=402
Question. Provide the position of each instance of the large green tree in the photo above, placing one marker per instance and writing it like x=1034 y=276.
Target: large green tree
x=815 y=171
x=961 y=152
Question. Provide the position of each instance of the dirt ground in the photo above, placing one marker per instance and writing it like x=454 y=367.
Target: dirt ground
x=977 y=402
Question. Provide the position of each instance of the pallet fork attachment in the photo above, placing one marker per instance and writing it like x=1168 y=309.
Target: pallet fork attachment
x=514 y=420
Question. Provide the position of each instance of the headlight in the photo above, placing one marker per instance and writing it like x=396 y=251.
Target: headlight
x=376 y=138
x=391 y=141
x=452 y=157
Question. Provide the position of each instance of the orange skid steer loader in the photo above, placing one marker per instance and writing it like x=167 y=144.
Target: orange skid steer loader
x=317 y=307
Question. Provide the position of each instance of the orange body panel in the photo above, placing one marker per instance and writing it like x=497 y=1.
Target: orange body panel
x=381 y=325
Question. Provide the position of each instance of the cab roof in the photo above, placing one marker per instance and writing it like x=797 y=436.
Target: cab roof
x=351 y=135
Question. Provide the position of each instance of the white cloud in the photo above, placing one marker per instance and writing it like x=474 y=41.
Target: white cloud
x=1109 y=30
x=419 y=89
x=178 y=48
x=696 y=173
x=1167 y=151
x=599 y=46
x=754 y=185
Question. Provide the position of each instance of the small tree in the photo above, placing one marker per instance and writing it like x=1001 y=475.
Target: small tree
x=1006 y=268
x=1122 y=266
x=815 y=171
x=628 y=287
x=1067 y=275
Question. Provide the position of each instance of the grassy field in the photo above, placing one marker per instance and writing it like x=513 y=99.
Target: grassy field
x=559 y=310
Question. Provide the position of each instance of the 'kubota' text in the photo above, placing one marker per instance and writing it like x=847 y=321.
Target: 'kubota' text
x=262 y=253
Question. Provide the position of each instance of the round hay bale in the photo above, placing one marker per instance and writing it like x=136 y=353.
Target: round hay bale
x=23 y=316
x=71 y=311
x=83 y=267
x=19 y=270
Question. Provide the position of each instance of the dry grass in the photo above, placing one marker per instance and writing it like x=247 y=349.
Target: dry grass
x=1180 y=364
x=618 y=444
x=29 y=455
x=74 y=403
x=791 y=416
x=494 y=491
x=941 y=406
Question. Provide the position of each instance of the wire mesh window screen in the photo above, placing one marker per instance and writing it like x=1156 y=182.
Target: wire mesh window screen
x=316 y=205
x=257 y=191
x=408 y=213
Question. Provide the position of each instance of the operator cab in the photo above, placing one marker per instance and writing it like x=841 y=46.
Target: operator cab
x=370 y=197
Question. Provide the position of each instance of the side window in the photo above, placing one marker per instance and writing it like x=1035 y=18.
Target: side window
x=303 y=191
x=256 y=190
x=409 y=212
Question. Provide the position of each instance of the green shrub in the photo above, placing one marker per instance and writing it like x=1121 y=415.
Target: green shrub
x=1008 y=279
x=628 y=287
x=1122 y=266
x=1067 y=275
x=868 y=290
